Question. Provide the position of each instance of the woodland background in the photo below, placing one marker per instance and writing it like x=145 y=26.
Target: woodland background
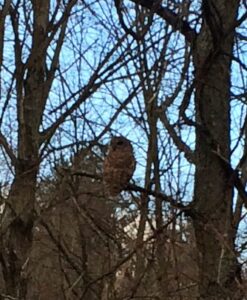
x=169 y=75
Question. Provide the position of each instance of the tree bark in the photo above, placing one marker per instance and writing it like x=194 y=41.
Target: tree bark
x=18 y=217
x=213 y=191
x=212 y=216
x=17 y=235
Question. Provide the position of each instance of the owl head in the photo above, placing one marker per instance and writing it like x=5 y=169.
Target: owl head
x=120 y=143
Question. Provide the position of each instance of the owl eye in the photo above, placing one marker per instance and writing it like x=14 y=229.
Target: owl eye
x=120 y=143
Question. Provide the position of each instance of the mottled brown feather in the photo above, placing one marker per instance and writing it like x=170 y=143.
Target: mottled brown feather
x=119 y=166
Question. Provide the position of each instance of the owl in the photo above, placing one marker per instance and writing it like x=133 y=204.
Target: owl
x=119 y=165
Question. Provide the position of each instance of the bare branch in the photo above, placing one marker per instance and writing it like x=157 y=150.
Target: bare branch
x=170 y=17
x=188 y=153
x=136 y=188
x=85 y=92
x=3 y=14
x=7 y=148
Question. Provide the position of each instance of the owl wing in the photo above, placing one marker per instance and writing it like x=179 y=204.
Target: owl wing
x=118 y=170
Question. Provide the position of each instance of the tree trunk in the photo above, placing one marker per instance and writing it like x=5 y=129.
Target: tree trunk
x=31 y=90
x=213 y=187
x=17 y=239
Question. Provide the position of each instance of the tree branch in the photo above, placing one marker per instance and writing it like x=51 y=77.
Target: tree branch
x=7 y=148
x=170 y=17
x=188 y=153
x=84 y=93
x=136 y=188
x=3 y=13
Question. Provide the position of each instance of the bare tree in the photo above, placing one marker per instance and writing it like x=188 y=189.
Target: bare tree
x=169 y=75
x=35 y=33
x=212 y=208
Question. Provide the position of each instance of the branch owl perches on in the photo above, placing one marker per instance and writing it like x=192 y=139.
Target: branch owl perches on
x=119 y=165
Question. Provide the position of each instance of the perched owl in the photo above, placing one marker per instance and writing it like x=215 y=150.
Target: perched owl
x=119 y=165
